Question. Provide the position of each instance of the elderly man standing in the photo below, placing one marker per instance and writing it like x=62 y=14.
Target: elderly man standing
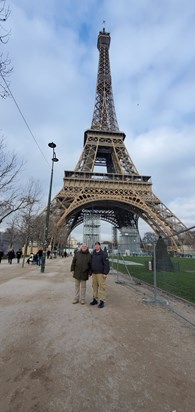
x=100 y=269
x=81 y=268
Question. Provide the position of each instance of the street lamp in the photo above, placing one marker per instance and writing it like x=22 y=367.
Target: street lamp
x=54 y=159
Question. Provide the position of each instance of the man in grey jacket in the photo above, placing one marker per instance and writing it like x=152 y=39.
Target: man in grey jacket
x=81 y=268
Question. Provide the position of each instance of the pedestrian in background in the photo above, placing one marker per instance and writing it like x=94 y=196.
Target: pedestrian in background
x=81 y=268
x=1 y=254
x=18 y=255
x=39 y=256
x=10 y=255
x=100 y=268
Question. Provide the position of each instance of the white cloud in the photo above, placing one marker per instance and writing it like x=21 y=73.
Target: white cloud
x=167 y=155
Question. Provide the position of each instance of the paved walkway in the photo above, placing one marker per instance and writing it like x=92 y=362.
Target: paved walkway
x=58 y=357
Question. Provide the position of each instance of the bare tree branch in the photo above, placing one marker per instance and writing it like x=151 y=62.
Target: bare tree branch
x=9 y=169
x=5 y=68
x=12 y=197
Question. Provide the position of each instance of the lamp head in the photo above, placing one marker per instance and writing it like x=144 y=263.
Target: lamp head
x=55 y=159
x=52 y=145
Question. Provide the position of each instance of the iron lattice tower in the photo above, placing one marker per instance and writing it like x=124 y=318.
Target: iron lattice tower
x=120 y=195
x=104 y=116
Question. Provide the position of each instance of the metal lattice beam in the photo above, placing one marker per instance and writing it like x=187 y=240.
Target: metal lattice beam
x=104 y=116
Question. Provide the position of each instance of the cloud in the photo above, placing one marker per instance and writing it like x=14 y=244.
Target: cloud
x=167 y=155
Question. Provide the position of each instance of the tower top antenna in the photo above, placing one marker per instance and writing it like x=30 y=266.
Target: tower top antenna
x=104 y=115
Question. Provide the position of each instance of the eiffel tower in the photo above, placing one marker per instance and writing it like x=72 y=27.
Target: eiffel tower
x=121 y=195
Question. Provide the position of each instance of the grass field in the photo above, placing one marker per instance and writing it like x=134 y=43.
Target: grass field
x=180 y=283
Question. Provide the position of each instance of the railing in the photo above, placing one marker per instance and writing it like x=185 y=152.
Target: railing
x=113 y=177
x=177 y=283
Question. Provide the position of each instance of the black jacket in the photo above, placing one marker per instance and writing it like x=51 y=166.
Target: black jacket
x=100 y=262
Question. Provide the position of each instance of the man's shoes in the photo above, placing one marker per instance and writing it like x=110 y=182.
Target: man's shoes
x=82 y=302
x=75 y=301
x=101 y=304
x=94 y=302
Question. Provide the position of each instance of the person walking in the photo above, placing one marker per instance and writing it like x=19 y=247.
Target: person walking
x=10 y=255
x=48 y=252
x=18 y=255
x=81 y=268
x=100 y=268
x=39 y=256
x=1 y=254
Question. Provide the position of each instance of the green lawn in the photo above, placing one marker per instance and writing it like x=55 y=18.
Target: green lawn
x=181 y=282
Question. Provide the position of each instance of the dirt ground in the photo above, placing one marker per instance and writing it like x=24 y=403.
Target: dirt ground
x=130 y=356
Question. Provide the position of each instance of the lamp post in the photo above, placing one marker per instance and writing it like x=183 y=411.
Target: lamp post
x=54 y=159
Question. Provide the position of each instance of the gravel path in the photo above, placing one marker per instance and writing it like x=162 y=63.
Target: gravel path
x=55 y=356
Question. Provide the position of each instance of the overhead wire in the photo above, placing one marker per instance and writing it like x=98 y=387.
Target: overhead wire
x=25 y=121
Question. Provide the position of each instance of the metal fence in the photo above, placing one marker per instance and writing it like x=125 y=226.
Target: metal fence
x=175 y=283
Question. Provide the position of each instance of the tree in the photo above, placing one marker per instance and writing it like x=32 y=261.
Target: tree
x=9 y=237
x=13 y=196
x=5 y=68
x=26 y=221
x=148 y=240
x=9 y=171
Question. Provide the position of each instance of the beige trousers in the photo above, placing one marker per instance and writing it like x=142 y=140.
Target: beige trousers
x=80 y=289
x=99 y=286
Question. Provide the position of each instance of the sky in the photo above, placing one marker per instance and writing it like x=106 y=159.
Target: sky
x=53 y=51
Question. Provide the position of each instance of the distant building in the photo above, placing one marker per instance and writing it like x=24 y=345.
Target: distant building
x=91 y=229
x=129 y=242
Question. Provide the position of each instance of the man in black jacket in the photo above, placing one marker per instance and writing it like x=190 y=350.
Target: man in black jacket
x=100 y=269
